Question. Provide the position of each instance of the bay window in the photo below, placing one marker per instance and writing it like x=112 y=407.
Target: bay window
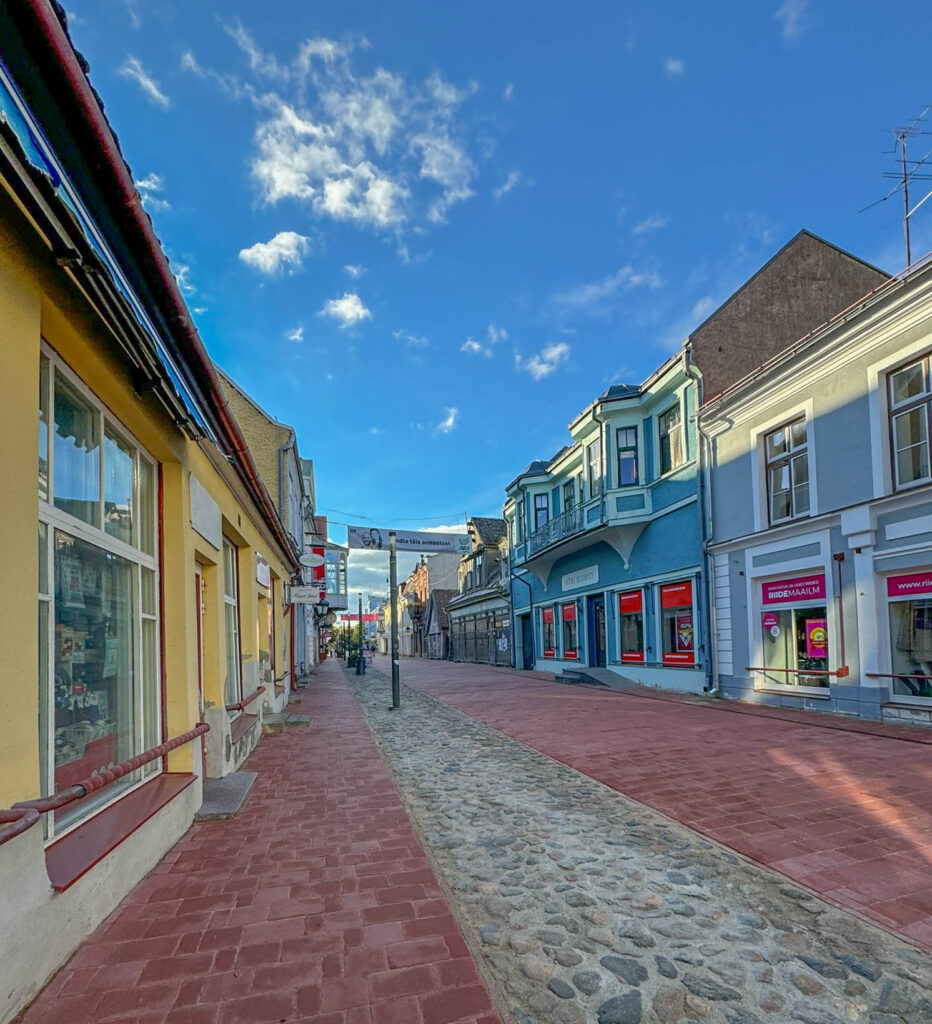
x=627 y=438
x=672 y=451
x=99 y=674
x=910 y=396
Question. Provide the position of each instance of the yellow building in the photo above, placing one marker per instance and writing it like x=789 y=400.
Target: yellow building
x=136 y=528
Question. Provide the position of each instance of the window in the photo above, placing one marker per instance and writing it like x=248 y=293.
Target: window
x=787 y=458
x=271 y=624
x=98 y=673
x=233 y=683
x=677 y=625
x=569 y=495
x=519 y=520
x=631 y=618
x=794 y=631
x=627 y=456
x=910 y=400
x=594 y=458
x=570 y=631
x=672 y=453
x=548 y=633
x=910 y=612
x=541 y=510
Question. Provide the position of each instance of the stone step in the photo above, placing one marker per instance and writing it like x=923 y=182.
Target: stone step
x=224 y=798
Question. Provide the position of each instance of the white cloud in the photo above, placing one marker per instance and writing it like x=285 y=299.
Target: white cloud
x=448 y=423
x=591 y=297
x=374 y=430
x=411 y=340
x=673 y=67
x=286 y=251
x=132 y=68
x=378 y=150
x=792 y=18
x=653 y=223
x=347 y=310
x=473 y=348
x=497 y=334
x=182 y=276
x=150 y=188
x=354 y=270
x=508 y=93
x=507 y=185
x=544 y=362
x=296 y=333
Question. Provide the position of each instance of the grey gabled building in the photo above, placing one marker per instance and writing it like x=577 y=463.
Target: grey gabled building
x=480 y=614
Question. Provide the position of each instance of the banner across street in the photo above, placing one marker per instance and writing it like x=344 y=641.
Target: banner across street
x=374 y=539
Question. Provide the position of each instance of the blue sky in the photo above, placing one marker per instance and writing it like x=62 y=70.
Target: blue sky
x=428 y=234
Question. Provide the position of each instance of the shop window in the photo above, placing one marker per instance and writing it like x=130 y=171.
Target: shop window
x=910 y=396
x=627 y=438
x=570 y=631
x=98 y=673
x=677 y=624
x=794 y=631
x=631 y=617
x=672 y=449
x=787 y=458
x=233 y=683
x=548 y=633
x=910 y=614
x=594 y=460
x=541 y=510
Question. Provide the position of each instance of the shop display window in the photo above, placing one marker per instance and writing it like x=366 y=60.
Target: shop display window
x=631 y=617
x=677 y=624
x=910 y=612
x=548 y=633
x=795 y=641
x=570 y=631
x=98 y=673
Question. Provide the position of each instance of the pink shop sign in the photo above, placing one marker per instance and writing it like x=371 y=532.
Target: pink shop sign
x=912 y=583
x=795 y=588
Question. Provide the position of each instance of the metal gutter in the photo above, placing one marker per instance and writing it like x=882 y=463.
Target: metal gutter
x=59 y=66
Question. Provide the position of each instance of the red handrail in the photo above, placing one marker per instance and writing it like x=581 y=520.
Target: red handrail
x=23 y=815
x=241 y=704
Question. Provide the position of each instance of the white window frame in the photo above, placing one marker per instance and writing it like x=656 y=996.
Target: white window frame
x=637 y=455
x=684 y=459
x=789 y=456
x=234 y=602
x=56 y=519
x=756 y=435
x=924 y=401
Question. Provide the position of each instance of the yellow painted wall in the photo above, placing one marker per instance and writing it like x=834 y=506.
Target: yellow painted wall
x=37 y=301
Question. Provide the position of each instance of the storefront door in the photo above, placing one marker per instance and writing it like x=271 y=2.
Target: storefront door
x=596 y=618
x=527 y=642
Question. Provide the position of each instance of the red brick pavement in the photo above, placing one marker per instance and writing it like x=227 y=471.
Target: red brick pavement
x=847 y=814
x=317 y=903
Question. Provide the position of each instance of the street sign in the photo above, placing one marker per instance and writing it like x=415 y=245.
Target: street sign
x=313 y=561
x=374 y=539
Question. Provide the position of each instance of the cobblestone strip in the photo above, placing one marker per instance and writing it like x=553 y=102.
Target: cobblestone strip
x=588 y=907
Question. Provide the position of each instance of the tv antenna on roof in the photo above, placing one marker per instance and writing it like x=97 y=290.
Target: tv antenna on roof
x=908 y=171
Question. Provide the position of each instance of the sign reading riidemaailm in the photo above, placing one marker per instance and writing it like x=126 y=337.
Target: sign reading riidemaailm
x=373 y=539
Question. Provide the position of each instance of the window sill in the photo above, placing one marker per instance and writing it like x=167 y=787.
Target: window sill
x=72 y=856
x=241 y=725
x=819 y=692
x=902 y=701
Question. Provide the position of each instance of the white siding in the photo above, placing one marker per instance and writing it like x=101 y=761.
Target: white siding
x=723 y=633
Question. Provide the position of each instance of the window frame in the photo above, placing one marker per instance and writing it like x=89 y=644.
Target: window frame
x=538 y=508
x=677 y=658
x=233 y=600
x=56 y=520
x=571 y=653
x=551 y=651
x=788 y=457
x=676 y=407
x=911 y=404
x=594 y=480
x=569 y=491
x=627 y=448
x=624 y=656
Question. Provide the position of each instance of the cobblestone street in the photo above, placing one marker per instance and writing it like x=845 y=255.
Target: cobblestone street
x=589 y=907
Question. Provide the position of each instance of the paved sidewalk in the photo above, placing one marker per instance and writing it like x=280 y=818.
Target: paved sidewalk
x=317 y=903
x=848 y=815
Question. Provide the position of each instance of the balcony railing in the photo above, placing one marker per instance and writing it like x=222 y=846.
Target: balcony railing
x=574 y=520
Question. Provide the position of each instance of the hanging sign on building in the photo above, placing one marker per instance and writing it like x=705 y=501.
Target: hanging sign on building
x=794 y=588
x=587 y=577
x=374 y=539
x=307 y=595
x=263 y=571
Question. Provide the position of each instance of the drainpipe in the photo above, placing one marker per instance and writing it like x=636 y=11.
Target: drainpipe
x=704 y=501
